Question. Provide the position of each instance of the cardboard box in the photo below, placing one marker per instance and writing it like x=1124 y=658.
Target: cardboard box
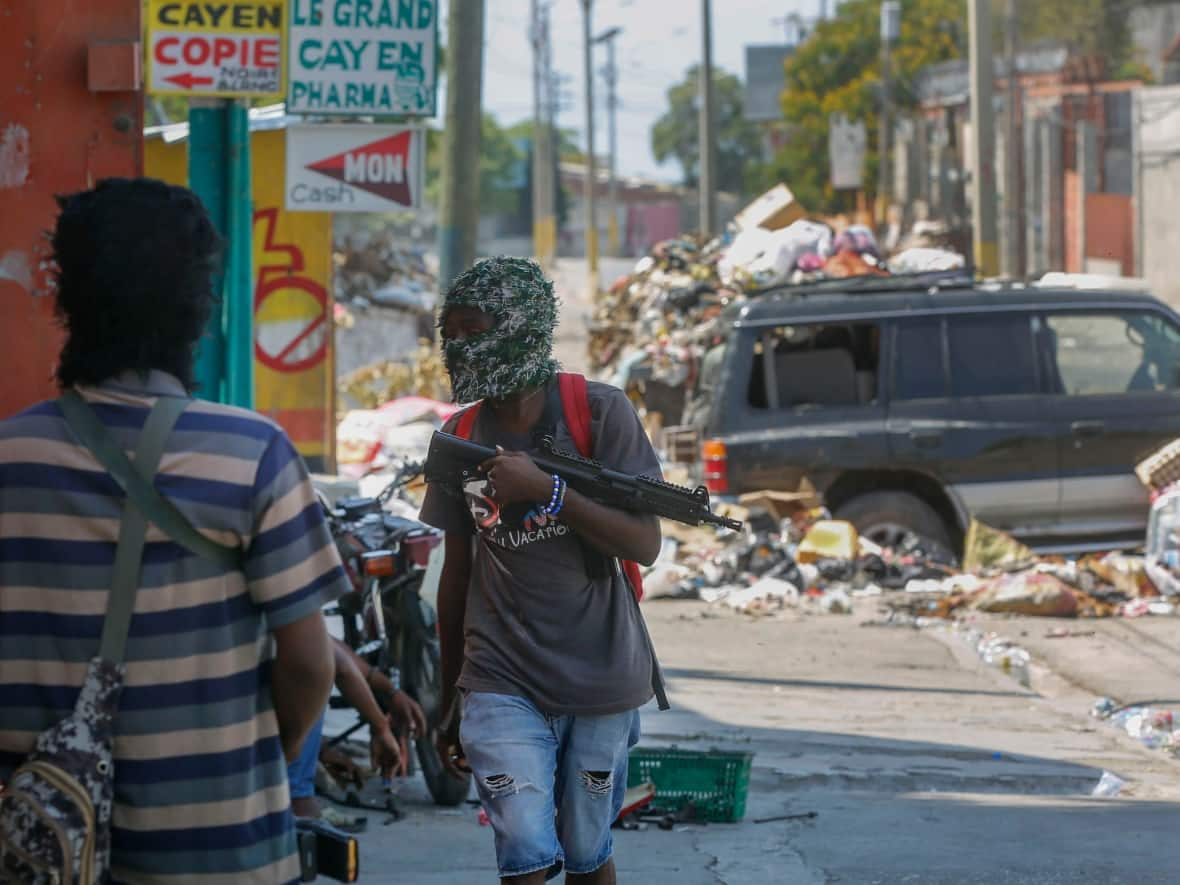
x=774 y=210
x=784 y=505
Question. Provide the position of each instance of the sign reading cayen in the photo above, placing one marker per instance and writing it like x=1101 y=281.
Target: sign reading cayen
x=354 y=167
x=370 y=57
x=230 y=49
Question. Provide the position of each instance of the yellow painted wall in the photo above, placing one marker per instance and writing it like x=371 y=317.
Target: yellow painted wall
x=293 y=320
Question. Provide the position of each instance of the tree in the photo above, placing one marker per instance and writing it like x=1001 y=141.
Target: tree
x=566 y=139
x=1088 y=28
x=675 y=134
x=499 y=164
x=838 y=70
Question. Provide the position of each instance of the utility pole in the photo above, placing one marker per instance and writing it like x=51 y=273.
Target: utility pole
x=708 y=143
x=1085 y=151
x=890 y=31
x=611 y=75
x=459 y=209
x=591 y=171
x=544 y=228
x=1013 y=148
x=549 y=175
x=983 y=139
x=538 y=207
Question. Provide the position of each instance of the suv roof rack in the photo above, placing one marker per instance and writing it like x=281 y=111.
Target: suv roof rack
x=1093 y=281
x=959 y=278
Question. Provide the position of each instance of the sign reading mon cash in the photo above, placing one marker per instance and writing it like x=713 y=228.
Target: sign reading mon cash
x=215 y=49
x=371 y=57
x=353 y=167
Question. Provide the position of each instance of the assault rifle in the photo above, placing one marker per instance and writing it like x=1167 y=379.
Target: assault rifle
x=453 y=462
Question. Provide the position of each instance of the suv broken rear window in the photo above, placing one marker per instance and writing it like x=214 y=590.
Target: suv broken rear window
x=816 y=365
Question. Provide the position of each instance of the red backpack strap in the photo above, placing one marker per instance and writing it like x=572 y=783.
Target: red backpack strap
x=576 y=405
x=634 y=577
x=467 y=421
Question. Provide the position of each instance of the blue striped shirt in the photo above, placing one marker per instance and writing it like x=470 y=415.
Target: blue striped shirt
x=200 y=781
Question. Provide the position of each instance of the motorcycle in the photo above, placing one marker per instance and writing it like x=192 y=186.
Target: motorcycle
x=385 y=618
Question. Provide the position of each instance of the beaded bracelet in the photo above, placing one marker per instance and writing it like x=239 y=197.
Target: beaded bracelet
x=560 y=501
x=557 y=499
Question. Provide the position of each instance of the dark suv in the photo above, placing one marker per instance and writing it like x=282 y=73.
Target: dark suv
x=915 y=403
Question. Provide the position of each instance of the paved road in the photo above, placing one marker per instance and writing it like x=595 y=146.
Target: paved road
x=923 y=766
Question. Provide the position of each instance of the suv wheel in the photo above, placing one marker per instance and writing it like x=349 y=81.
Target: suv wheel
x=886 y=517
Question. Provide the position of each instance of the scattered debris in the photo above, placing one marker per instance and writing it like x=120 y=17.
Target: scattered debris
x=1151 y=723
x=806 y=815
x=1066 y=633
x=1029 y=593
x=1108 y=786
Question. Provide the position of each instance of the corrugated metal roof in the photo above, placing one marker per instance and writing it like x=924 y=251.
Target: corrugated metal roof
x=273 y=116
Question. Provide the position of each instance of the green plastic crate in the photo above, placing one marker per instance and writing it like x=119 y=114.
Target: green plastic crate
x=715 y=782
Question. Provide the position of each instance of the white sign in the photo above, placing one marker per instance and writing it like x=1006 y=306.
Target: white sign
x=351 y=167
x=370 y=57
x=846 y=152
x=215 y=49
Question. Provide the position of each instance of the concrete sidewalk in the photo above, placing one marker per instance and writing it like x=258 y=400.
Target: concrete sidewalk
x=1130 y=660
x=923 y=765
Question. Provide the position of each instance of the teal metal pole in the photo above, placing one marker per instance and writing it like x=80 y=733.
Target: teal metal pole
x=219 y=173
x=205 y=146
x=239 y=269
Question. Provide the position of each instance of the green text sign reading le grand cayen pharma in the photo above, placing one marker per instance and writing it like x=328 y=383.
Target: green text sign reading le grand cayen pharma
x=364 y=57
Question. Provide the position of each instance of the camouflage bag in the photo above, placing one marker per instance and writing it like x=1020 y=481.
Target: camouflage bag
x=55 y=811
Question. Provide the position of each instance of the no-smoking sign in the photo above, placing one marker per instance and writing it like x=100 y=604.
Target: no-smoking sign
x=292 y=326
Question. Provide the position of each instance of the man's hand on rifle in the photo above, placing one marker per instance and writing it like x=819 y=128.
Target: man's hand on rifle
x=515 y=478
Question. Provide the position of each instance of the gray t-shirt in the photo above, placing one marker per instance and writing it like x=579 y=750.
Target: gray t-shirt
x=548 y=618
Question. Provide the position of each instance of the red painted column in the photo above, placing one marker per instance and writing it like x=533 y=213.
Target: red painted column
x=70 y=114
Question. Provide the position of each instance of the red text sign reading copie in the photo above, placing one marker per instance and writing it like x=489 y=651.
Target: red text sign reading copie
x=215 y=48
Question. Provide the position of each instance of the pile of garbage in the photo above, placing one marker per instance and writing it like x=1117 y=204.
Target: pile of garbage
x=651 y=329
x=377 y=268
x=657 y=312
x=792 y=553
x=370 y=440
x=420 y=373
x=1160 y=474
x=400 y=405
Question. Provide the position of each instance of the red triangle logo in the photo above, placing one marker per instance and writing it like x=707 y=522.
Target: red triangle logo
x=380 y=167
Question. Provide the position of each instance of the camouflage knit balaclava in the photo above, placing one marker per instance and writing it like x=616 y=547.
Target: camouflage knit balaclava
x=517 y=352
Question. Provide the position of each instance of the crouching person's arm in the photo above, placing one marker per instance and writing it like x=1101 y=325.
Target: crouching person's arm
x=301 y=679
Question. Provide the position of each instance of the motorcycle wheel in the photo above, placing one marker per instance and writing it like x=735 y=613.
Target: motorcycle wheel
x=422 y=678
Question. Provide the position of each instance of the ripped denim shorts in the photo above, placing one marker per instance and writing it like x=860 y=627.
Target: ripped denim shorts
x=551 y=785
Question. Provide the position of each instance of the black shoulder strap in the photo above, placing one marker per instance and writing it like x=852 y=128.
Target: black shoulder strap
x=150 y=502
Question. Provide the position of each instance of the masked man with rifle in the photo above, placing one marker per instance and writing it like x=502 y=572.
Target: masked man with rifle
x=540 y=628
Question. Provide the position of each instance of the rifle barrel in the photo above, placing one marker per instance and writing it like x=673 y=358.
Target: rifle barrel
x=449 y=456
